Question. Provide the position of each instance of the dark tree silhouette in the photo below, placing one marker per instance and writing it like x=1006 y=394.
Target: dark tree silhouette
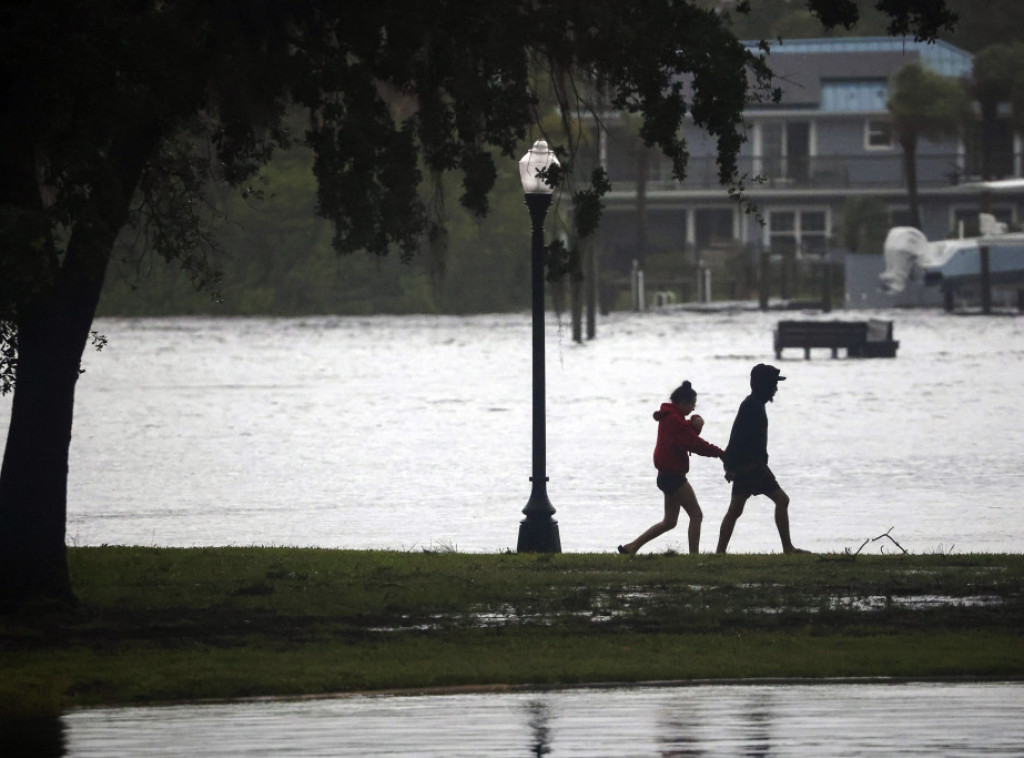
x=119 y=114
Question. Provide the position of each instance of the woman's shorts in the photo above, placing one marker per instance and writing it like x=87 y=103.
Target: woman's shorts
x=669 y=483
x=760 y=481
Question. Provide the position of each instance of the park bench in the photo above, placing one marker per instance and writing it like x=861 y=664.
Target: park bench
x=861 y=339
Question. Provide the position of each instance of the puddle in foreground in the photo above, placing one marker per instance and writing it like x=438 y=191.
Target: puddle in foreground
x=634 y=604
x=932 y=719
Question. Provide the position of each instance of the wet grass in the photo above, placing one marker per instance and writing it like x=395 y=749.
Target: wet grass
x=159 y=625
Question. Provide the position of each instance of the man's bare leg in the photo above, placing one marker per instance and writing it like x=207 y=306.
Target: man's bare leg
x=781 y=500
x=729 y=522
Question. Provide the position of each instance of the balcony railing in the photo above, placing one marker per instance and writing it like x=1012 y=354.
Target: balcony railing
x=882 y=171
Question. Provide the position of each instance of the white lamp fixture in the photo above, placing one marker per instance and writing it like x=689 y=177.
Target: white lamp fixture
x=537 y=159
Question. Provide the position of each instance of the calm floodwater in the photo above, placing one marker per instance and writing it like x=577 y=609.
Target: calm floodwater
x=755 y=720
x=414 y=432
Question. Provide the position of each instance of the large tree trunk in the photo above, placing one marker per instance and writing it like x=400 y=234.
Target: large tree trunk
x=33 y=480
x=52 y=334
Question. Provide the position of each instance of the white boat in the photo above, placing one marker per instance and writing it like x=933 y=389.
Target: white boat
x=954 y=263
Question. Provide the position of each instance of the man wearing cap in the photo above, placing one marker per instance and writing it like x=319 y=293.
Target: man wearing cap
x=746 y=458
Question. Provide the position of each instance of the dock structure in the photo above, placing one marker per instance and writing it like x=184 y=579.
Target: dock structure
x=861 y=339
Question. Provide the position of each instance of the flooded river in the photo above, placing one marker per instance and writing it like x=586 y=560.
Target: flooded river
x=414 y=432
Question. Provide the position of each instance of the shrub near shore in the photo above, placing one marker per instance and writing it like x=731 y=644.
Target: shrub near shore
x=161 y=624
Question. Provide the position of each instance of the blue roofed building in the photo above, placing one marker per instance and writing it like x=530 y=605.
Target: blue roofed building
x=828 y=141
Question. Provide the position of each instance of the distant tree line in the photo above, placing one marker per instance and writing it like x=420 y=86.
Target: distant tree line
x=274 y=257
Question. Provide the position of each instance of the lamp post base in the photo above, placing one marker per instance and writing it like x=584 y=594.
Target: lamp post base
x=537 y=536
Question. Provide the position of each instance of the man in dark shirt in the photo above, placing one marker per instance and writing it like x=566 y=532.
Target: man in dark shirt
x=746 y=458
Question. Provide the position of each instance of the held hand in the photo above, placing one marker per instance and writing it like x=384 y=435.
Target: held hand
x=697 y=421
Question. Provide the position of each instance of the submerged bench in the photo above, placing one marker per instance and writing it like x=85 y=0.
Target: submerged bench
x=862 y=339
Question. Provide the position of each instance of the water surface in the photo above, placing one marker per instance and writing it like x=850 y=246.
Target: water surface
x=716 y=720
x=414 y=432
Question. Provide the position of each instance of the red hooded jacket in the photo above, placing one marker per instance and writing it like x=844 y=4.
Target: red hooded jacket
x=677 y=438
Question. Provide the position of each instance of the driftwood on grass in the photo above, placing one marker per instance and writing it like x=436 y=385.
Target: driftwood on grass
x=885 y=535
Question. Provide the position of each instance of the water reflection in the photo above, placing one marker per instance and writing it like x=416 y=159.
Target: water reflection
x=751 y=720
x=540 y=715
x=758 y=716
x=678 y=733
x=705 y=725
x=32 y=737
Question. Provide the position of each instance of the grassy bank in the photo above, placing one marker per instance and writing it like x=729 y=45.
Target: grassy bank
x=161 y=625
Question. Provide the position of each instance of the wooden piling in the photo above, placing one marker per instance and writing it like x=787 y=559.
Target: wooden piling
x=986 y=280
x=764 y=280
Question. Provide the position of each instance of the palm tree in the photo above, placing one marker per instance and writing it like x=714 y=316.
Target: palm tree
x=924 y=105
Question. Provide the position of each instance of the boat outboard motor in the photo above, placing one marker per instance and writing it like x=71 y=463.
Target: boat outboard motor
x=904 y=246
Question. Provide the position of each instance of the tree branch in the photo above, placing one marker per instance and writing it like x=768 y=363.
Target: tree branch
x=885 y=535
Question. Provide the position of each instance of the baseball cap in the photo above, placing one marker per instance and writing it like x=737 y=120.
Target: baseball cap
x=764 y=373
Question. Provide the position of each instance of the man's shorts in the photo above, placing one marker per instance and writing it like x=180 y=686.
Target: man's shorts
x=759 y=481
x=669 y=483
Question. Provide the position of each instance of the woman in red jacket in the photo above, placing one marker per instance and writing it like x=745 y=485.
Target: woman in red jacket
x=678 y=436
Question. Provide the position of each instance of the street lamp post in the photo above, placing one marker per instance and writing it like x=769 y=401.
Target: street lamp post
x=538 y=532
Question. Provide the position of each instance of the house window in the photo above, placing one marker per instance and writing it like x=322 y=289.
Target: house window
x=877 y=135
x=713 y=226
x=784 y=150
x=813 y=232
x=659 y=168
x=803 y=232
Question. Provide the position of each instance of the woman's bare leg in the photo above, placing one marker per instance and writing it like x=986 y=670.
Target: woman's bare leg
x=666 y=524
x=688 y=502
